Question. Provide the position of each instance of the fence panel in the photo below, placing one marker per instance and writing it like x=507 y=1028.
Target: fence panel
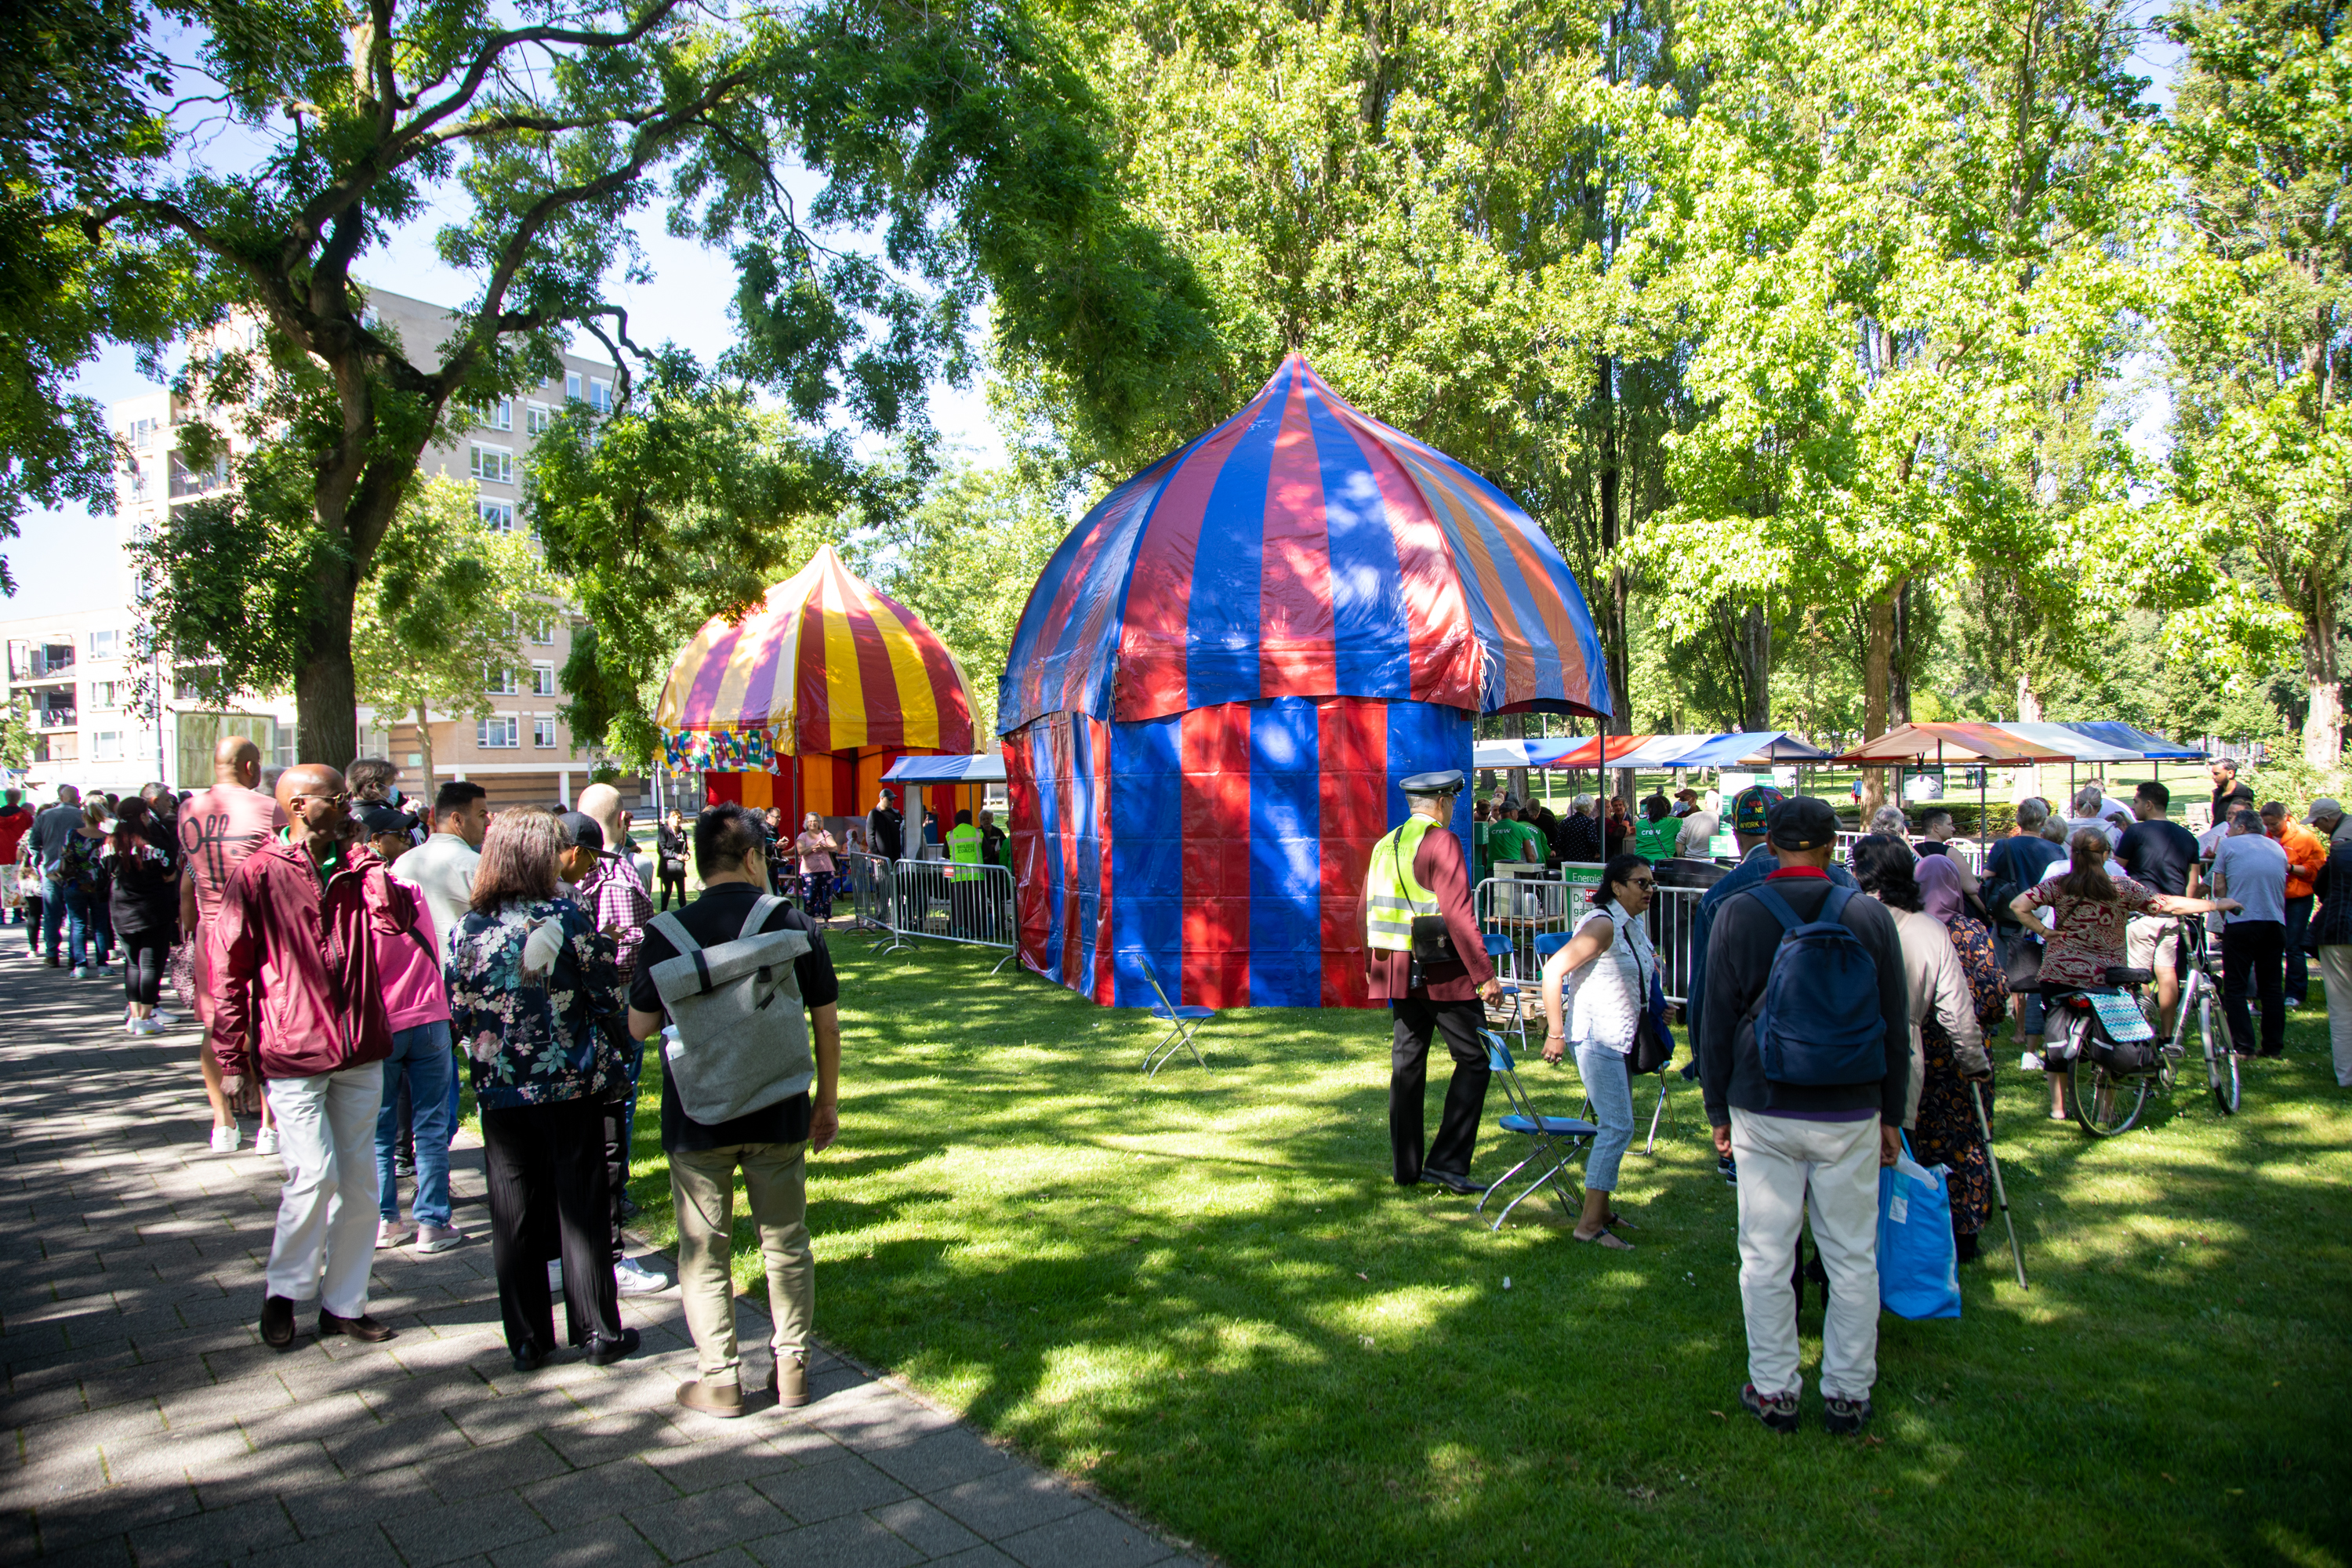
x=870 y=882
x=950 y=902
x=1525 y=910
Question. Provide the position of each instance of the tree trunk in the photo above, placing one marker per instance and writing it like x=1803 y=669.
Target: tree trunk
x=424 y=746
x=1898 y=660
x=1877 y=666
x=1614 y=643
x=2029 y=701
x=1518 y=776
x=326 y=690
x=2322 y=721
x=1755 y=649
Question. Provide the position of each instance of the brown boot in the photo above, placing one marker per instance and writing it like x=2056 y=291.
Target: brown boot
x=790 y=1380
x=724 y=1400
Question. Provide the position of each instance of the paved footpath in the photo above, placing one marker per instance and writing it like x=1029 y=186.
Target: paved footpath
x=150 y=1425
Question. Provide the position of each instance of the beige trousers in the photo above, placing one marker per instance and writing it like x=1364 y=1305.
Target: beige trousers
x=702 y=1187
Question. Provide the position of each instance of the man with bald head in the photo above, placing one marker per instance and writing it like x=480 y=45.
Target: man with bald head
x=218 y=828
x=302 y=1005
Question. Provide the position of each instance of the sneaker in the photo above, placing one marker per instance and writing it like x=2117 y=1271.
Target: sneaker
x=1845 y=1417
x=144 y=1027
x=80 y=972
x=388 y=1233
x=1728 y=1169
x=1777 y=1411
x=439 y=1237
x=226 y=1140
x=603 y=1352
x=632 y=1278
x=166 y=1019
x=266 y=1141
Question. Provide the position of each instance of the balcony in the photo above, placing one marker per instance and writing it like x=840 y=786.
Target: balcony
x=55 y=718
x=51 y=663
x=65 y=747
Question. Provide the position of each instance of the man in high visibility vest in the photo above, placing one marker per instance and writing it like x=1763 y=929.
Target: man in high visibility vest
x=963 y=890
x=1419 y=869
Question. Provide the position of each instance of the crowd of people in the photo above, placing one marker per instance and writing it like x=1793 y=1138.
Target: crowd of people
x=1817 y=1070
x=355 y=962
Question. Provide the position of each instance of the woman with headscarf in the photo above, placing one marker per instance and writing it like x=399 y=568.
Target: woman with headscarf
x=1947 y=1052
x=1943 y=896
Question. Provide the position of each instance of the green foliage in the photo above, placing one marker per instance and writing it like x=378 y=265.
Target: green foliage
x=16 y=733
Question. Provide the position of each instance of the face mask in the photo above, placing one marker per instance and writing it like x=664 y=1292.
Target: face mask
x=392 y=797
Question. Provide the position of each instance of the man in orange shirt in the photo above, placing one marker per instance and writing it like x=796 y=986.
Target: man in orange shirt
x=2307 y=852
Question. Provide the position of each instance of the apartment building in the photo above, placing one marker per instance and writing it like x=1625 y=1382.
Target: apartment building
x=71 y=669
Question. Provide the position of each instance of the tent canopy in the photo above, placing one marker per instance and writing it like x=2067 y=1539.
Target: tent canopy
x=1529 y=754
x=1588 y=753
x=824 y=665
x=1750 y=746
x=946 y=770
x=1654 y=752
x=2139 y=743
x=1952 y=743
x=2066 y=737
x=1303 y=549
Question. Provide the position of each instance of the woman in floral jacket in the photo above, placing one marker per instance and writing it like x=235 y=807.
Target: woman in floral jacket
x=529 y=976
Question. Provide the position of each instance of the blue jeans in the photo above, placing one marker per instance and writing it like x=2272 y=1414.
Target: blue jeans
x=1611 y=1090
x=66 y=906
x=422 y=1053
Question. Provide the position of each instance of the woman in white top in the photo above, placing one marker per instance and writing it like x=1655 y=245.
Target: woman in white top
x=1595 y=991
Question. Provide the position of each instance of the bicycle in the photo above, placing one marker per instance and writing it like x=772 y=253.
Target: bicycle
x=2201 y=996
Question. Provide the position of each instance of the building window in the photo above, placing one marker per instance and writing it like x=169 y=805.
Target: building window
x=498 y=516
x=498 y=734
x=140 y=433
x=498 y=414
x=542 y=733
x=187 y=481
x=135 y=481
x=571 y=386
x=497 y=680
x=543 y=632
x=105 y=694
x=542 y=679
x=600 y=395
x=494 y=465
x=537 y=418
x=106 y=746
x=105 y=645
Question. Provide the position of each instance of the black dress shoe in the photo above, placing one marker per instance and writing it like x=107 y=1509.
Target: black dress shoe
x=603 y=1352
x=365 y=1329
x=1461 y=1186
x=530 y=1358
x=278 y=1322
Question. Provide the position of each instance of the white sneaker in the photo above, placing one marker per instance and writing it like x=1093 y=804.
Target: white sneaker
x=632 y=1278
x=81 y=972
x=145 y=1026
x=226 y=1140
x=266 y=1141
x=388 y=1233
x=166 y=1019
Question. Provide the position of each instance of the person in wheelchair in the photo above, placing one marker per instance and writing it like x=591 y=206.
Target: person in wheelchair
x=2084 y=936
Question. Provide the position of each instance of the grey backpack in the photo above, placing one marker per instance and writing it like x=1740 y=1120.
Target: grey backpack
x=742 y=1030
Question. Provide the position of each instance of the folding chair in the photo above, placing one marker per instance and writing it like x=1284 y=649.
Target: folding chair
x=1552 y=1140
x=1182 y=1022
x=1499 y=948
x=1552 y=943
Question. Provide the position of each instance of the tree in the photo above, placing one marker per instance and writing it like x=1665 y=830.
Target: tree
x=2260 y=332
x=16 y=735
x=447 y=599
x=1924 y=233
x=949 y=128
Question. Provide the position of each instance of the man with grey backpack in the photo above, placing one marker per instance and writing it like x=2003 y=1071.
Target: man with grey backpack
x=751 y=1080
x=1804 y=1055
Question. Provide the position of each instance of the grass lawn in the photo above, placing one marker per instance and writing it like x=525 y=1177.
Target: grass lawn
x=1202 y=1293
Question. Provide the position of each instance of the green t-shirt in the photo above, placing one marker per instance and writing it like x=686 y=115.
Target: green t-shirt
x=1516 y=842
x=1656 y=840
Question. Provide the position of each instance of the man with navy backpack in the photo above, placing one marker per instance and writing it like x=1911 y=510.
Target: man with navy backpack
x=1804 y=1057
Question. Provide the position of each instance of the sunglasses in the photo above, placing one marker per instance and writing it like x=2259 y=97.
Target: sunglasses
x=1644 y=883
x=338 y=801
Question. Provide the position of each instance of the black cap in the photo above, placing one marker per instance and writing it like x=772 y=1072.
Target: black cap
x=1446 y=781
x=1802 y=822
x=381 y=819
x=581 y=830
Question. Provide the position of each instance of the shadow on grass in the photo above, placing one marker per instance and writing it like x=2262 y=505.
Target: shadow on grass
x=1202 y=1291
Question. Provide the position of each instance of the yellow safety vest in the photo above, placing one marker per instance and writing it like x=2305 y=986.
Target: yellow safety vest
x=963 y=849
x=1394 y=895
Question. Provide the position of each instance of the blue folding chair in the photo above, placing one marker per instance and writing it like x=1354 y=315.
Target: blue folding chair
x=1182 y=1022
x=1552 y=943
x=1498 y=949
x=1552 y=1140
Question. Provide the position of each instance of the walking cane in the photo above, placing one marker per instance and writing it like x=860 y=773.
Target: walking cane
x=1999 y=1192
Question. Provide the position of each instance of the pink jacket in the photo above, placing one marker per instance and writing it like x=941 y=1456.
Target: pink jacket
x=410 y=961
x=294 y=963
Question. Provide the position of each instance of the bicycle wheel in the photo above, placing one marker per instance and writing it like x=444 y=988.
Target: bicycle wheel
x=2220 y=1062
x=2105 y=1105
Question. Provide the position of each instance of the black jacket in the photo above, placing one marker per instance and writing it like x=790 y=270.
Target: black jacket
x=2332 y=925
x=1741 y=942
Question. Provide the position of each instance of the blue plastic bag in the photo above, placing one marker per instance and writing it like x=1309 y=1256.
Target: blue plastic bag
x=1918 y=1263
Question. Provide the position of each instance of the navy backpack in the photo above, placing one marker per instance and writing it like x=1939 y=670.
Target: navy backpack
x=1818 y=1024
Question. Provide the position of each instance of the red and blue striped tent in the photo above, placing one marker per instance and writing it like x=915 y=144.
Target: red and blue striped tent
x=1224 y=672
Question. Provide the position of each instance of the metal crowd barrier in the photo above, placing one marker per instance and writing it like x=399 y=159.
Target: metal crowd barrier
x=870 y=882
x=950 y=902
x=1523 y=909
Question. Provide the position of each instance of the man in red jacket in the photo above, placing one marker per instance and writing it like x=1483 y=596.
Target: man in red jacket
x=301 y=1004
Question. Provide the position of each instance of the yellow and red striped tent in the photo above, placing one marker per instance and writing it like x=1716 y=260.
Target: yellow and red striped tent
x=805 y=702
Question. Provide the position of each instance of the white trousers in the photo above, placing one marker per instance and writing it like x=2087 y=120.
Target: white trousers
x=2336 y=969
x=1784 y=1164
x=327 y=1210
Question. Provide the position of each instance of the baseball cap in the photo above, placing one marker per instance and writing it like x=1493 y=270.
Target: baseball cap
x=381 y=819
x=1802 y=822
x=2326 y=805
x=581 y=830
x=1751 y=808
